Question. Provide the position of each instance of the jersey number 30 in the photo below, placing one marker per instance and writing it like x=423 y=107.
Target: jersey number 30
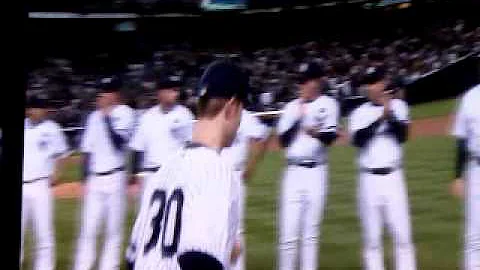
x=160 y=221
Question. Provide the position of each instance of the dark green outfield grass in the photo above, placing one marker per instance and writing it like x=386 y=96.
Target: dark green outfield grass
x=436 y=216
x=433 y=109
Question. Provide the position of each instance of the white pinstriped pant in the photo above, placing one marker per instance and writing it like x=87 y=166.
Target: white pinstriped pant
x=302 y=201
x=472 y=217
x=105 y=198
x=383 y=198
x=37 y=203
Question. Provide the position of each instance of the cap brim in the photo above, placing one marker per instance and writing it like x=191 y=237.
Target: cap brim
x=164 y=86
x=108 y=90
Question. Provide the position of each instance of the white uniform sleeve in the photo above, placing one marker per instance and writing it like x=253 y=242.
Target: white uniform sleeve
x=216 y=221
x=288 y=118
x=88 y=137
x=363 y=117
x=331 y=119
x=124 y=122
x=59 y=142
x=355 y=122
x=460 y=125
x=183 y=128
x=401 y=110
x=254 y=128
x=139 y=139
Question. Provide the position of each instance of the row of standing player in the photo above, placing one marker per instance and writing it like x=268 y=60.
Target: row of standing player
x=308 y=125
x=109 y=132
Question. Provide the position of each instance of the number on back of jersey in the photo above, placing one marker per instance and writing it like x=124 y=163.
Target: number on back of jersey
x=166 y=222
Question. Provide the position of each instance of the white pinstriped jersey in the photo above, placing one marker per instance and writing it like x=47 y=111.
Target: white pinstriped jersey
x=467 y=121
x=190 y=204
x=160 y=135
x=383 y=150
x=42 y=143
x=322 y=113
x=250 y=128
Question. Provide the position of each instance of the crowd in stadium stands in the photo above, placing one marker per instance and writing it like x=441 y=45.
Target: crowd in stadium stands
x=272 y=70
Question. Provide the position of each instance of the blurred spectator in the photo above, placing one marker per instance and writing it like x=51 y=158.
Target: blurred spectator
x=272 y=71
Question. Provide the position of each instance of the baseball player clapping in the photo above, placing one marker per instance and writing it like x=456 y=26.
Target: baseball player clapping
x=378 y=129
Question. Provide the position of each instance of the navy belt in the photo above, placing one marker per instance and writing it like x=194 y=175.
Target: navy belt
x=35 y=180
x=112 y=171
x=379 y=171
x=307 y=163
x=152 y=169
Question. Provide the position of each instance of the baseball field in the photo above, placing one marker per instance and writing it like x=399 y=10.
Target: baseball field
x=437 y=217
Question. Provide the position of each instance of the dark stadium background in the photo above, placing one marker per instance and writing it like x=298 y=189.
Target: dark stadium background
x=94 y=46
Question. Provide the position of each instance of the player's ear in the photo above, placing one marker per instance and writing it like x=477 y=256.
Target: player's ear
x=232 y=108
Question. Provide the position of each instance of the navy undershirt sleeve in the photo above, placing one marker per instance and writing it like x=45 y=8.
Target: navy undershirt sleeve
x=461 y=157
x=287 y=137
x=398 y=129
x=362 y=136
x=326 y=138
x=117 y=140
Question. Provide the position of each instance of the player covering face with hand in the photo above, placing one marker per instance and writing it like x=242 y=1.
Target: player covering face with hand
x=104 y=141
x=188 y=217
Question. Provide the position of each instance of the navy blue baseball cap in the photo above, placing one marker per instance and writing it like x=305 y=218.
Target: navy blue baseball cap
x=310 y=71
x=109 y=84
x=374 y=74
x=37 y=102
x=224 y=79
x=167 y=82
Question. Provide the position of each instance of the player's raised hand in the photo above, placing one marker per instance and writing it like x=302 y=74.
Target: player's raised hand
x=457 y=188
x=386 y=99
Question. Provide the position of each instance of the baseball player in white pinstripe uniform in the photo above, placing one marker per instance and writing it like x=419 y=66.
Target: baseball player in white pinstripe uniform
x=378 y=129
x=467 y=131
x=104 y=141
x=44 y=148
x=306 y=128
x=188 y=219
x=162 y=129
x=244 y=153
